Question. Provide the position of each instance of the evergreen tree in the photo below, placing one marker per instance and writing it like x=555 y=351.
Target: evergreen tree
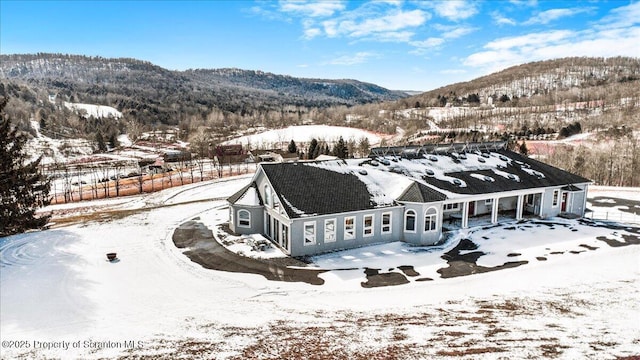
x=22 y=187
x=313 y=149
x=340 y=149
x=100 y=142
x=113 y=140
x=364 y=147
x=523 y=148
x=292 y=148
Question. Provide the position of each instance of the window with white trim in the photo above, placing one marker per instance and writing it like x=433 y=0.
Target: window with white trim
x=330 y=230
x=431 y=220
x=310 y=233
x=386 y=223
x=244 y=218
x=349 y=228
x=410 y=221
x=267 y=195
x=556 y=196
x=276 y=204
x=367 y=227
x=488 y=202
x=454 y=206
x=285 y=237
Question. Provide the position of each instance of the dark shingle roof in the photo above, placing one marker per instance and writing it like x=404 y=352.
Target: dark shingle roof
x=552 y=177
x=309 y=190
x=421 y=193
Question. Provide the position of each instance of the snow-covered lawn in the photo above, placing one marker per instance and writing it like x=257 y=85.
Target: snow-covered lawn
x=60 y=297
x=304 y=134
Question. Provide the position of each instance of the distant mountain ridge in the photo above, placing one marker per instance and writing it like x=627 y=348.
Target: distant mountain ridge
x=573 y=79
x=140 y=87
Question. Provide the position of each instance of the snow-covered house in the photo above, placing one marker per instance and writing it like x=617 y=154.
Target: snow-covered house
x=411 y=194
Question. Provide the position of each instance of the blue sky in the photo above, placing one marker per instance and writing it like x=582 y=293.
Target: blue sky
x=407 y=45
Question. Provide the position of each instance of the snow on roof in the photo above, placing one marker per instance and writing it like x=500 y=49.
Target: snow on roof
x=384 y=187
x=249 y=198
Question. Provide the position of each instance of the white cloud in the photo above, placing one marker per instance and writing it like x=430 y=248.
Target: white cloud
x=392 y=22
x=348 y=60
x=530 y=3
x=458 y=32
x=622 y=17
x=455 y=9
x=505 y=52
x=310 y=33
x=453 y=71
x=548 y=16
x=428 y=43
x=500 y=19
x=529 y=40
x=312 y=8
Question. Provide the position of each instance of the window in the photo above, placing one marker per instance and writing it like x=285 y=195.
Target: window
x=310 y=233
x=285 y=237
x=488 y=202
x=556 y=195
x=431 y=220
x=455 y=206
x=349 y=228
x=267 y=195
x=276 y=204
x=244 y=218
x=529 y=199
x=367 y=228
x=410 y=221
x=386 y=223
x=330 y=230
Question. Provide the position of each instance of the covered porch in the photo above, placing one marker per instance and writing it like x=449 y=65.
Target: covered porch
x=491 y=209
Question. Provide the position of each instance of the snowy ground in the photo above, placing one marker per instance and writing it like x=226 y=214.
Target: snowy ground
x=280 y=138
x=575 y=297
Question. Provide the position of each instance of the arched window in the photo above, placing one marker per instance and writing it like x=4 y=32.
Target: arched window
x=244 y=218
x=410 y=221
x=267 y=195
x=431 y=220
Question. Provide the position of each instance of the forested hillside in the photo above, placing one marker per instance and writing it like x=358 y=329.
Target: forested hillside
x=540 y=101
x=153 y=95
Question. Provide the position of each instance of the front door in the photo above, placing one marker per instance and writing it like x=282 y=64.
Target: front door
x=472 y=208
x=563 y=206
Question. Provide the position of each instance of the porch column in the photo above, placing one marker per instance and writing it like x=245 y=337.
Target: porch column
x=465 y=215
x=519 y=207
x=494 y=210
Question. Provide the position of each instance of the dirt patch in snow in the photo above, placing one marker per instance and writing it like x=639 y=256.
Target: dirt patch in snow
x=465 y=264
x=205 y=250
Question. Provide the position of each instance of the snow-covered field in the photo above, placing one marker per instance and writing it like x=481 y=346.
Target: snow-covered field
x=304 y=134
x=575 y=297
x=97 y=111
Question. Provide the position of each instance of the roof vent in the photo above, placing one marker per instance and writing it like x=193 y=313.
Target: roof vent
x=430 y=172
x=457 y=182
x=385 y=162
x=489 y=178
x=374 y=163
x=433 y=158
x=482 y=160
x=512 y=177
x=503 y=158
x=362 y=172
x=485 y=155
